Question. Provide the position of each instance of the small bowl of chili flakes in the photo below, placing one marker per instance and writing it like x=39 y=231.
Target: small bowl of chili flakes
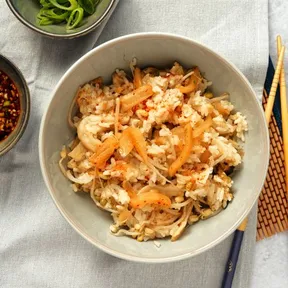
x=14 y=105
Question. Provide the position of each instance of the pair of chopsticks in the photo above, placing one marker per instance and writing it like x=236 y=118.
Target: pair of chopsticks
x=279 y=78
x=284 y=112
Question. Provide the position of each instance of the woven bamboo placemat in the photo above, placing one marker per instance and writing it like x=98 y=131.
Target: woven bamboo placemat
x=272 y=203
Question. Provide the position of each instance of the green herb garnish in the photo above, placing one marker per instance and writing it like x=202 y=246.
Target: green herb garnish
x=70 y=11
x=75 y=18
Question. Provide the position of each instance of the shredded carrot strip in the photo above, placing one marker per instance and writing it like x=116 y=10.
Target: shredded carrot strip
x=138 y=142
x=104 y=152
x=193 y=84
x=137 y=78
x=125 y=143
x=185 y=153
x=136 y=97
x=152 y=197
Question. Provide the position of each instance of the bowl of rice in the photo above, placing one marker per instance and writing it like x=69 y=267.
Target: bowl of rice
x=160 y=148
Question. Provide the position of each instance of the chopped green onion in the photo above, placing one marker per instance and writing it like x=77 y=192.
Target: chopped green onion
x=89 y=6
x=75 y=18
x=54 y=13
x=46 y=3
x=42 y=20
x=70 y=11
x=73 y=4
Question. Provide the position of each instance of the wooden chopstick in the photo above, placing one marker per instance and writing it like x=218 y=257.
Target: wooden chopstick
x=284 y=111
x=239 y=233
x=272 y=94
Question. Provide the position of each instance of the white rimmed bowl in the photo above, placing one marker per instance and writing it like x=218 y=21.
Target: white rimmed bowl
x=161 y=50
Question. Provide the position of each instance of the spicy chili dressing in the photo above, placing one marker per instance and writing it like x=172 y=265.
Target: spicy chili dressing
x=9 y=106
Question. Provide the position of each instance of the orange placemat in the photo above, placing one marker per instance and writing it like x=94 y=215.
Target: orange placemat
x=272 y=203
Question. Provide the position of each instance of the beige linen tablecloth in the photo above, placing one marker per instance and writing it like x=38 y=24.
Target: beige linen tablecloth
x=37 y=247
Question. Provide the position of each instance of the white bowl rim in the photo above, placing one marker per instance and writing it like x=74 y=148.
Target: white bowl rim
x=75 y=226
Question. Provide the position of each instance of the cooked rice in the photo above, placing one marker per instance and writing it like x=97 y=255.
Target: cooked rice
x=145 y=201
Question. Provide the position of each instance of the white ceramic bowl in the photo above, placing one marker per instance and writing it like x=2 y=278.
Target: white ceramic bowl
x=158 y=50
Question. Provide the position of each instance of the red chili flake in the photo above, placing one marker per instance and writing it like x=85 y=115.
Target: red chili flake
x=9 y=106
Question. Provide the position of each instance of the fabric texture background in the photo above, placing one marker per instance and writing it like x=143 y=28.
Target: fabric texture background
x=37 y=247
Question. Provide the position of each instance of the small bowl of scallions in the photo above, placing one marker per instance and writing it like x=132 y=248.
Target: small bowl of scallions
x=61 y=18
